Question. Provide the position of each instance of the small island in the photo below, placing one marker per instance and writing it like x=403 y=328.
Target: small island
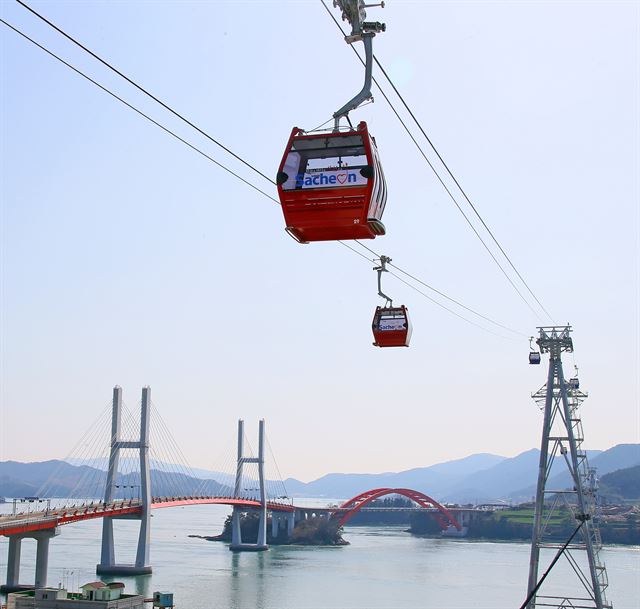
x=309 y=532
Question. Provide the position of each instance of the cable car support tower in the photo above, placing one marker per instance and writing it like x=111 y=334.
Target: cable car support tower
x=562 y=436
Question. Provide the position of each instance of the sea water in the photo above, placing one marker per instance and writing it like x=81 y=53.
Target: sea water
x=384 y=567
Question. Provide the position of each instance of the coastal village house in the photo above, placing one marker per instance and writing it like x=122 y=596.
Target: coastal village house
x=94 y=595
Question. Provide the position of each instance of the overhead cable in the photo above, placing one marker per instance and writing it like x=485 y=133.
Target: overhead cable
x=199 y=151
x=253 y=168
x=446 y=308
x=448 y=191
x=453 y=300
x=143 y=90
x=156 y=123
x=464 y=194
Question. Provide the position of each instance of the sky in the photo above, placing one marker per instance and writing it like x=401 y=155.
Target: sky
x=129 y=259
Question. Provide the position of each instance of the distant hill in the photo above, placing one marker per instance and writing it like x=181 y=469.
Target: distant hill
x=435 y=480
x=481 y=478
x=620 y=456
x=131 y=463
x=478 y=478
x=60 y=479
x=622 y=484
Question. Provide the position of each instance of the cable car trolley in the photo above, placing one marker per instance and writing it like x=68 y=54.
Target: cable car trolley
x=391 y=325
x=331 y=184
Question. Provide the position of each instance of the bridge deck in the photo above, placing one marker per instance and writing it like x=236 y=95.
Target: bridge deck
x=49 y=519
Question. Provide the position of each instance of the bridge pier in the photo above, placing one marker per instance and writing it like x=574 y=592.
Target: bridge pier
x=291 y=523
x=42 y=559
x=108 y=565
x=281 y=521
x=236 y=531
x=13 y=564
x=42 y=555
x=275 y=524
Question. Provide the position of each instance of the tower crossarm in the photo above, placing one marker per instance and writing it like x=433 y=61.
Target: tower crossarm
x=555 y=340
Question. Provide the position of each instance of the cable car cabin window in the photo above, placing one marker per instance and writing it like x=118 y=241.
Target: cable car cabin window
x=326 y=162
x=391 y=321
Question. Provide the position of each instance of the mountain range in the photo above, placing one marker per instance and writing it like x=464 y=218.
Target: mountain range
x=60 y=479
x=478 y=478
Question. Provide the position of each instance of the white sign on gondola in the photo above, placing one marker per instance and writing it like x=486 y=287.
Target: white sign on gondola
x=392 y=324
x=331 y=179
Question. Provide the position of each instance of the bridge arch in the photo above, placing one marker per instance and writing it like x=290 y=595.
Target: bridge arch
x=348 y=509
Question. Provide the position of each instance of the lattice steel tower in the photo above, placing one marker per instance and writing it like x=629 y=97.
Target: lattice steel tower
x=562 y=435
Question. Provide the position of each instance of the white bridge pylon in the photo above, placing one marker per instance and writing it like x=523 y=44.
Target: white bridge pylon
x=236 y=532
x=108 y=565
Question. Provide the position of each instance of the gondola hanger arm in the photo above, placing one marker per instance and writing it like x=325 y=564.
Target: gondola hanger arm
x=353 y=12
x=383 y=269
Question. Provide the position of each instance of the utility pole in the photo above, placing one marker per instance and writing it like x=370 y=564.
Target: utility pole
x=562 y=436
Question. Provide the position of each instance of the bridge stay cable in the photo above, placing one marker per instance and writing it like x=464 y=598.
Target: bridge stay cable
x=172 y=458
x=165 y=482
x=89 y=457
x=173 y=134
x=279 y=480
x=47 y=486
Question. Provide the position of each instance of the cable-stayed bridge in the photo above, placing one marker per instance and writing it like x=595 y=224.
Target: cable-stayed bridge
x=243 y=485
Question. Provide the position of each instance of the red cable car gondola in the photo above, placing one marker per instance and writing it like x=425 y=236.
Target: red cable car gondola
x=331 y=186
x=391 y=327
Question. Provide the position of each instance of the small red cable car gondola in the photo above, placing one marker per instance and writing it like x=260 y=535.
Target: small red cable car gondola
x=391 y=327
x=331 y=186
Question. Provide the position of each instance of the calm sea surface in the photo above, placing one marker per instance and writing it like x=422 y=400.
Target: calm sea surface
x=383 y=568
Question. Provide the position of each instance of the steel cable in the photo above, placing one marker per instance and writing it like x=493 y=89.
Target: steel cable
x=143 y=90
x=451 y=196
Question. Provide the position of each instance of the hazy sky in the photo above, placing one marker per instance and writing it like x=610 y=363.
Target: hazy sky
x=129 y=259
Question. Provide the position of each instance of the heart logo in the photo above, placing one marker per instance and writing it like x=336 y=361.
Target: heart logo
x=342 y=177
